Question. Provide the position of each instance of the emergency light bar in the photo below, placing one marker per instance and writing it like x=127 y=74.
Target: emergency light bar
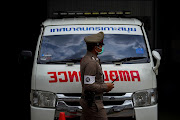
x=62 y=14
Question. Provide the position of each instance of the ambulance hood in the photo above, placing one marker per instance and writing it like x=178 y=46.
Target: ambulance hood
x=66 y=79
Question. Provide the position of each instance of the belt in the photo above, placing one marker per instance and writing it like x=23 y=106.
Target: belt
x=95 y=98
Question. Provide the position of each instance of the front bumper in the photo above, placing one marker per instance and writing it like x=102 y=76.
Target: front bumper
x=42 y=113
x=140 y=113
x=146 y=113
x=116 y=106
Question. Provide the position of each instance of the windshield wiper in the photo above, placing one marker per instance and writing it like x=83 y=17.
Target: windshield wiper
x=64 y=61
x=128 y=59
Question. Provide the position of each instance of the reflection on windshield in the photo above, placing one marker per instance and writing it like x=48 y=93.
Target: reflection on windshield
x=66 y=47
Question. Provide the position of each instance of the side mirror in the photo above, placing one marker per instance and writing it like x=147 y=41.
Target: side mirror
x=157 y=56
x=159 y=51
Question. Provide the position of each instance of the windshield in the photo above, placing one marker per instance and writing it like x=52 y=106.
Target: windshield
x=72 y=47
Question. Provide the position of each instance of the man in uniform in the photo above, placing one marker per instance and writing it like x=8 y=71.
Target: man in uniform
x=92 y=80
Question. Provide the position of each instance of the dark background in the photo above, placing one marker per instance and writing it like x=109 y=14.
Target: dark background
x=29 y=14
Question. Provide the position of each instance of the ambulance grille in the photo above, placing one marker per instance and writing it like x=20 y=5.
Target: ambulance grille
x=116 y=105
x=72 y=99
x=112 y=102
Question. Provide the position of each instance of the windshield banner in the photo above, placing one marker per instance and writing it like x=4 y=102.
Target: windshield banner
x=92 y=29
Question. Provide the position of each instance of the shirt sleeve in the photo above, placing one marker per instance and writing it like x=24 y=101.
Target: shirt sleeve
x=90 y=83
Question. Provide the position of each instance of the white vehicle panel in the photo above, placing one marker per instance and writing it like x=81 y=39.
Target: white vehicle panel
x=66 y=79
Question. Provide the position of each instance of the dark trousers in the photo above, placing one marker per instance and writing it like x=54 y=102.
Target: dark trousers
x=92 y=112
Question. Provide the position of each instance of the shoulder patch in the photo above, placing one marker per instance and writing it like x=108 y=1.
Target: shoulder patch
x=89 y=79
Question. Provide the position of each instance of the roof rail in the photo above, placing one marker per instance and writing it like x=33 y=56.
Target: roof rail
x=70 y=14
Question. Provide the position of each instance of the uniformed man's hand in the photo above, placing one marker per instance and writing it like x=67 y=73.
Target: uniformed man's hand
x=110 y=86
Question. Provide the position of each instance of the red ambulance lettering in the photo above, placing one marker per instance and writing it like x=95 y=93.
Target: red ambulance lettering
x=113 y=75
x=125 y=75
x=71 y=76
x=65 y=76
x=136 y=76
x=54 y=76
x=74 y=76
x=121 y=75
x=106 y=78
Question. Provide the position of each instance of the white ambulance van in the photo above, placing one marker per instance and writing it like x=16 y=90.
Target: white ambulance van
x=56 y=80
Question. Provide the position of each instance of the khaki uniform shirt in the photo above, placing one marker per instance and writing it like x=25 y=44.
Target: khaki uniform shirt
x=92 y=77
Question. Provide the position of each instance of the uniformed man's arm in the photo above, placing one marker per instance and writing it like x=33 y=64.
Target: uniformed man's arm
x=90 y=83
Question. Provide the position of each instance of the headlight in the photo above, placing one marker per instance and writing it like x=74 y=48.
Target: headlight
x=43 y=99
x=145 y=98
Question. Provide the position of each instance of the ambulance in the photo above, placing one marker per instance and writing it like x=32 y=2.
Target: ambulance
x=127 y=59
